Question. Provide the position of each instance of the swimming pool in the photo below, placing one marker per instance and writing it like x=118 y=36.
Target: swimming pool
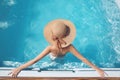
x=98 y=31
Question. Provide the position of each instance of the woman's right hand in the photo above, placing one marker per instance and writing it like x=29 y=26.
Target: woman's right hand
x=15 y=72
x=102 y=73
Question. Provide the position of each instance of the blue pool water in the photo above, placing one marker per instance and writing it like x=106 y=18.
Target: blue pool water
x=98 y=31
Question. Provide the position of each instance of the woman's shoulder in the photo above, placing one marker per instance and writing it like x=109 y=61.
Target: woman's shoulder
x=51 y=47
x=70 y=47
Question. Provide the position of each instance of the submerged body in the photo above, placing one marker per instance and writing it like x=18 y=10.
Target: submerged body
x=53 y=58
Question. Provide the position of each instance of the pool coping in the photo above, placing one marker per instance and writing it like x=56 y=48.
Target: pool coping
x=83 y=72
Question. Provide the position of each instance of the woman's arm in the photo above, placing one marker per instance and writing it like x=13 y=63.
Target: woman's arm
x=16 y=71
x=40 y=56
x=79 y=56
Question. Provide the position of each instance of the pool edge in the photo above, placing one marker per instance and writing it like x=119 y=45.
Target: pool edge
x=83 y=72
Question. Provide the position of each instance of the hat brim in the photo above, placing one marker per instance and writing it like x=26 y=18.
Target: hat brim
x=68 y=39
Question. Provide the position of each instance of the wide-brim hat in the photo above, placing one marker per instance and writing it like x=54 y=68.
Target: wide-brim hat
x=68 y=39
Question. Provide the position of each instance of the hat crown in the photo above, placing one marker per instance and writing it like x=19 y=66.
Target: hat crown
x=59 y=29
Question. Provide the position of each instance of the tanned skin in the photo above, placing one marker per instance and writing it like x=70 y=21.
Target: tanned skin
x=53 y=49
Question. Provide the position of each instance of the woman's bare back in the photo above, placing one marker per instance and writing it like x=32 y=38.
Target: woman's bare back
x=56 y=53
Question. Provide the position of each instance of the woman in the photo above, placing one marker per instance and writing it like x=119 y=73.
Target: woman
x=60 y=34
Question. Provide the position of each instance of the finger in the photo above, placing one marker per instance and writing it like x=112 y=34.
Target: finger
x=10 y=73
x=15 y=76
x=103 y=76
x=106 y=74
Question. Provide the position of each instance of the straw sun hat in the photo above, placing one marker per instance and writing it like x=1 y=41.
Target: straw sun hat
x=60 y=28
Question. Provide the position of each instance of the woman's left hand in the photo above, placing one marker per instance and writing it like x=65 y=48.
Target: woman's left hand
x=102 y=73
x=15 y=72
